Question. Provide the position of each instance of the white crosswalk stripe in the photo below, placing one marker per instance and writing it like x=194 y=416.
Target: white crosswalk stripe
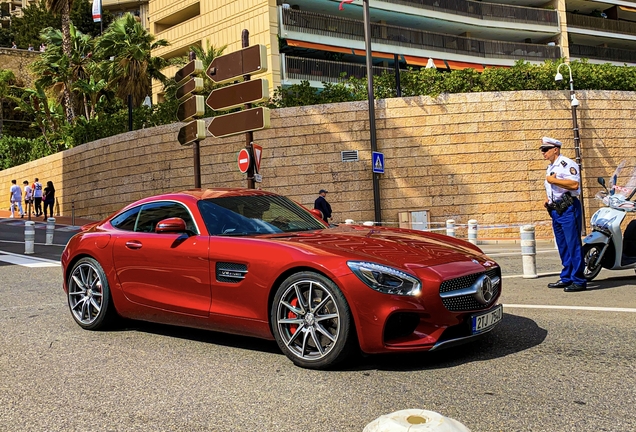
x=27 y=261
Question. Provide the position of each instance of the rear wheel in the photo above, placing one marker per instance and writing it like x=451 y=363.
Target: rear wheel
x=311 y=321
x=89 y=295
x=592 y=261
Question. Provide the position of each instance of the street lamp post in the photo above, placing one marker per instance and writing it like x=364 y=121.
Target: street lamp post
x=574 y=102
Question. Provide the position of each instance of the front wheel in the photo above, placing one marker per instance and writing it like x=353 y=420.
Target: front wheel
x=591 y=261
x=89 y=295
x=311 y=321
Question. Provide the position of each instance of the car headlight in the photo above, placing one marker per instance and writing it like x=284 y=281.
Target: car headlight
x=385 y=279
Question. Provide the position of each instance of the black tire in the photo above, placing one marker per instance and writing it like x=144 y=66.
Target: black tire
x=592 y=263
x=313 y=334
x=89 y=295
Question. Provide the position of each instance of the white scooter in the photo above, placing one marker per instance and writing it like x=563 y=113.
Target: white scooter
x=607 y=247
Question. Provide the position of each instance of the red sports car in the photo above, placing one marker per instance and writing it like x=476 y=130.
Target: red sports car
x=255 y=263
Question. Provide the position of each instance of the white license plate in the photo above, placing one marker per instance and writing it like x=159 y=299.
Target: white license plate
x=485 y=321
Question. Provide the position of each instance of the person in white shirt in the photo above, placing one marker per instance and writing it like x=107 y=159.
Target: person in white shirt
x=37 y=196
x=16 y=198
x=563 y=187
x=28 y=197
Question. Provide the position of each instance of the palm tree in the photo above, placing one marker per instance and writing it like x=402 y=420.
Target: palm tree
x=63 y=8
x=129 y=45
x=56 y=70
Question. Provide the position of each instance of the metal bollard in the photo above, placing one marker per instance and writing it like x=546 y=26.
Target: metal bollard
x=368 y=223
x=349 y=221
x=528 y=252
x=29 y=237
x=450 y=227
x=50 y=229
x=472 y=231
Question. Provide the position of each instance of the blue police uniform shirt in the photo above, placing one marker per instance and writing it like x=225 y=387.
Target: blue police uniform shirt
x=566 y=169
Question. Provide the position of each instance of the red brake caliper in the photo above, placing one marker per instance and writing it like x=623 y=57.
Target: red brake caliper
x=290 y=314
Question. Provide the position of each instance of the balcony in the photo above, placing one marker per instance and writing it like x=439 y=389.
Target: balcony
x=603 y=53
x=601 y=24
x=486 y=11
x=343 y=28
x=307 y=69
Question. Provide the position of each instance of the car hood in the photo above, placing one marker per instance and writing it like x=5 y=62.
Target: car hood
x=403 y=248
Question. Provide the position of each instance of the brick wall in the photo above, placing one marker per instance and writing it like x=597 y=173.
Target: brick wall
x=460 y=156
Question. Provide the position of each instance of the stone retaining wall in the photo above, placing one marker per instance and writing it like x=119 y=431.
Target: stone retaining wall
x=460 y=156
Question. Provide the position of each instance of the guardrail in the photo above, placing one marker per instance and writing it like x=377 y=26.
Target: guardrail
x=486 y=11
x=605 y=24
x=602 y=53
x=301 y=68
x=328 y=25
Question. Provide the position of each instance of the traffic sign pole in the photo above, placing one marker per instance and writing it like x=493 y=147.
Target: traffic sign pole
x=249 y=136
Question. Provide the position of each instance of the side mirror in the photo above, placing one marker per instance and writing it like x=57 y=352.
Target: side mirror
x=171 y=225
x=601 y=181
x=318 y=215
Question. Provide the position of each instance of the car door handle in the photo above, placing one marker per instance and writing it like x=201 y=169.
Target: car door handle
x=133 y=244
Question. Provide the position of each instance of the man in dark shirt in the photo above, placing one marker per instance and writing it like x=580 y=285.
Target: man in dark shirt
x=322 y=205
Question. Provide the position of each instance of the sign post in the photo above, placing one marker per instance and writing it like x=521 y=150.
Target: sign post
x=191 y=107
x=233 y=67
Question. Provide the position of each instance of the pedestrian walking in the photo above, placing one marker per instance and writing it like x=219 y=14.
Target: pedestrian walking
x=28 y=197
x=562 y=186
x=322 y=205
x=15 y=198
x=37 y=196
x=49 y=199
x=30 y=48
x=13 y=45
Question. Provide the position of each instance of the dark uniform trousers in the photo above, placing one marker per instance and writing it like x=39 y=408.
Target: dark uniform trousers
x=567 y=232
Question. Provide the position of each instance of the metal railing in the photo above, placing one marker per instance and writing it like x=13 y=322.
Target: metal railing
x=328 y=25
x=602 y=53
x=306 y=69
x=605 y=24
x=486 y=11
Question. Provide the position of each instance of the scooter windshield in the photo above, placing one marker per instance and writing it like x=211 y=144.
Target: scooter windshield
x=623 y=181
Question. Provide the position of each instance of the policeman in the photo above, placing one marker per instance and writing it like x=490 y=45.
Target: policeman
x=322 y=205
x=562 y=185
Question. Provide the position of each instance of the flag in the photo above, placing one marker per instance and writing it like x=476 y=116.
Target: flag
x=341 y=7
x=97 y=10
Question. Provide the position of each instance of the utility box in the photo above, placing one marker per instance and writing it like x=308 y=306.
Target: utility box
x=414 y=219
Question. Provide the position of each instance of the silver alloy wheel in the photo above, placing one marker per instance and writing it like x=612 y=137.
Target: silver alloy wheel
x=85 y=293
x=308 y=319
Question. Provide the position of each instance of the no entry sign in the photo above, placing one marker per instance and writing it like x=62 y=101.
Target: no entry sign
x=243 y=160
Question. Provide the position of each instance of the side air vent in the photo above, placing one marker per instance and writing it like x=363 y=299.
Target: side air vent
x=230 y=272
x=349 y=155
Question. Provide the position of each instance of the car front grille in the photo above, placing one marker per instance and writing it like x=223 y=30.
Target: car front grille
x=468 y=302
x=230 y=272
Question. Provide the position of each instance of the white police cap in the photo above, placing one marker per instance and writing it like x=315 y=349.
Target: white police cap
x=550 y=142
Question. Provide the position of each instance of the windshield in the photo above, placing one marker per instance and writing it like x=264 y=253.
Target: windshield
x=623 y=181
x=261 y=214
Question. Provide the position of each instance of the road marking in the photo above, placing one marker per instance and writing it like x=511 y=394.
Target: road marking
x=518 y=253
x=584 y=308
x=21 y=242
x=538 y=275
x=32 y=262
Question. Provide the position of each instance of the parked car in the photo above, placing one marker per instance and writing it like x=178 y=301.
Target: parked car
x=255 y=263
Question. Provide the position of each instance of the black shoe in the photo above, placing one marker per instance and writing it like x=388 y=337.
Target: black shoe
x=574 y=288
x=559 y=284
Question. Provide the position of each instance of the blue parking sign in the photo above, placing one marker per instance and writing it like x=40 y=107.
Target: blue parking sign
x=378 y=162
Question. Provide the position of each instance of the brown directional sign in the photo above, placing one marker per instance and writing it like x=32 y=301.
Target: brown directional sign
x=183 y=74
x=193 y=85
x=230 y=67
x=239 y=94
x=192 y=132
x=239 y=122
x=194 y=106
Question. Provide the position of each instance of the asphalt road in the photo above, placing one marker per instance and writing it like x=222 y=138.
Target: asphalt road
x=541 y=369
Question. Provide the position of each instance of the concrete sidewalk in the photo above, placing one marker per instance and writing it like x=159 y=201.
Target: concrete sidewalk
x=59 y=220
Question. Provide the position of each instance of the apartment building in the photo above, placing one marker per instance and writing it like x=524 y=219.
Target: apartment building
x=313 y=40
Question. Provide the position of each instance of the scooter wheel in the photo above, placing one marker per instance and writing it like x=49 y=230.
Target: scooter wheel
x=591 y=260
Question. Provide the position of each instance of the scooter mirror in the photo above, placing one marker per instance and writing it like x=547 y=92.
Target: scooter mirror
x=601 y=181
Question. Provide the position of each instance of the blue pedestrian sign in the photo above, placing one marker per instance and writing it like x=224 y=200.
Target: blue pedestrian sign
x=378 y=162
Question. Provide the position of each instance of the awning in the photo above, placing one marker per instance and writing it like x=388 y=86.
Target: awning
x=461 y=65
x=375 y=54
x=319 y=47
x=423 y=61
x=627 y=8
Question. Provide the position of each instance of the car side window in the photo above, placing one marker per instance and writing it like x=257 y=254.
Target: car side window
x=126 y=220
x=151 y=214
